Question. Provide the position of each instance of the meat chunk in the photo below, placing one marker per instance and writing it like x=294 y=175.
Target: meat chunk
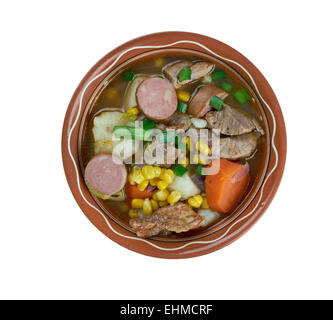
x=199 y=105
x=176 y=121
x=232 y=122
x=156 y=98
x=238 y=147
x=176 y=218
x=199 y=69
x=205 y=135
x=232 y=148
x=162 y=154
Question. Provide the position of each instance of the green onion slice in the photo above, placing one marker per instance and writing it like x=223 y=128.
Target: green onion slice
x=135 y=133
x=148 y=124
x=184 y=74
x=242 y=96
x=218 y=75
x=198 y=170
x=216 y=103
x=167 y=136
x=179 y=170
x=179 y=144
x=226 y=86
x=182 y=107
x=128 y=76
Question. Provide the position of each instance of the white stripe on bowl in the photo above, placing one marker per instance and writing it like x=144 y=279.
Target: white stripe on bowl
x=190 y=242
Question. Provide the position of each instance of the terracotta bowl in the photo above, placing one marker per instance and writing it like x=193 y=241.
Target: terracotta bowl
x=263 y=187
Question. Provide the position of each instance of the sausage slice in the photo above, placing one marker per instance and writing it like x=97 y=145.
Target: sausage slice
x=199 y=105
x=157 y=98
x=106 y=174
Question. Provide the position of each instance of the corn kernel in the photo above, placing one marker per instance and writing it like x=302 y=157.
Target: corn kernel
x=133 y=213
x=187 y=141
x=204 y=204
x=200 y=160
x=154 y=204
x=148 y=172
x=174 y=197
x=154 y=181
x=129 y=117
x=167 y=176
x=133 y=110
x=195 y=201
x=138 y=177
x=130 y=179
x=184 y=161
x=147 y=208
x=161 y=195
x=203 y=148
x=162 y=185
x=163 y=204
x=143 y=185
x=157 y=171
x=137 y=203
x=183 y=95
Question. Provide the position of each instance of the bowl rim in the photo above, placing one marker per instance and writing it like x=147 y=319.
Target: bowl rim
x=272 y=177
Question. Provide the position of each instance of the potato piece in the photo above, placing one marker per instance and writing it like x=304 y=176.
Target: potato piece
x=211 y=216
x=130 y=95
x=104 y=124
x=185 y=186
x=125 y=148
x=103 y=146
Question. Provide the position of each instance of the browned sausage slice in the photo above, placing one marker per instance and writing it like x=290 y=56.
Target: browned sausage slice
x=106 y=174
x=157 y=98
x=199 y=105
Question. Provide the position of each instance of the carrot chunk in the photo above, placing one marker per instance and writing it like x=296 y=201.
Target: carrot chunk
x=132 y=192
x=226 y=188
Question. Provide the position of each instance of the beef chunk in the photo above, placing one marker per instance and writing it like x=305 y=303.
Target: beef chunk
x=161 y=154
x=177 y=218
x=176 y=121
x=232 y=122
x=238 y=147
x=199 y=69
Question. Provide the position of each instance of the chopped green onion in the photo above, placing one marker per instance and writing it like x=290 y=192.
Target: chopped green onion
x=184 y=74
x=179 y=170
x=182 y=107
x=167 y=136
x=218 y=75
x=198 y=170
x=128 y=132
x=178 y=144
x=216 y=103
x=128 y=76
x=242 y=96
x=148 y=124
x=226 y=86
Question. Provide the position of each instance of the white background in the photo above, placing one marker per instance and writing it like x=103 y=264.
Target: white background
x=48 y=249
